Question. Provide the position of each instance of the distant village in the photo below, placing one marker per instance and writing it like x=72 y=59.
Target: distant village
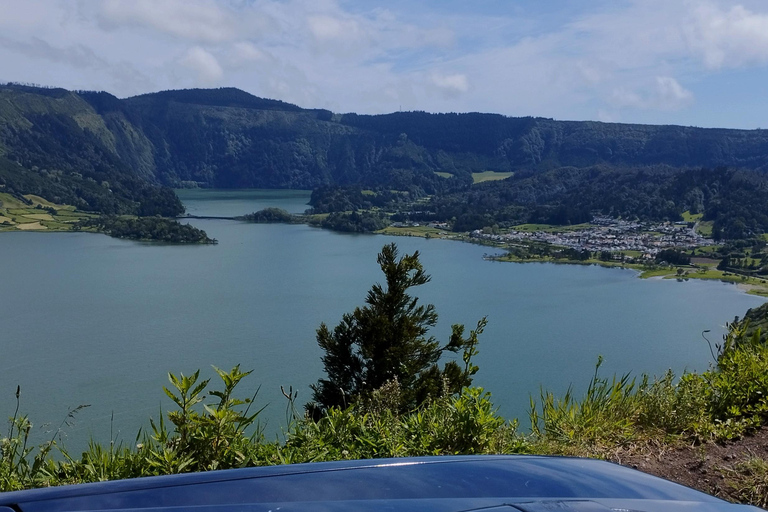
x=603 y=234
x=614 y=235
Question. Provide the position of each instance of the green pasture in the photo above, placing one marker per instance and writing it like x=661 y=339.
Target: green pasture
x=550 y=228
x=39 y=216
x=8 y=201
x=705 y=228
x=479 y=177
x=692 y=217
x=422 y=231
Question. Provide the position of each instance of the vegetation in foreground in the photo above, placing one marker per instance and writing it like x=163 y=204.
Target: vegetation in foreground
x=619 y=418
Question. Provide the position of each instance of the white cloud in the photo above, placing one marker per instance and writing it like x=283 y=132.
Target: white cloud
x=204 y=64
x=633 y=59
x=665 y=93
x=247 y=52
x=670 y=94
x=79 y=56
x=329 y=28
x=199 y=20
x=451 y=85
x=728 y=38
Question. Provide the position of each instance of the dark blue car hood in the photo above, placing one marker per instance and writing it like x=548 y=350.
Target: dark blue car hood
x=505 y=483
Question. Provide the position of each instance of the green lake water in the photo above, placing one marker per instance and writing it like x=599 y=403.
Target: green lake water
x=88 y=319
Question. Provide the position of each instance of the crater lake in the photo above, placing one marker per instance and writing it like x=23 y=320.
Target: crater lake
x=88 y=319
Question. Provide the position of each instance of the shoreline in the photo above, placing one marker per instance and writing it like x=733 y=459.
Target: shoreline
x=748 y=285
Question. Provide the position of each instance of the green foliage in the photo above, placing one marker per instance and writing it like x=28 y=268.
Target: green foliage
x=739 y=385
x=23 y=465
x=606 y=414
x=57 y=148
x=269 y=215
x=724 y=402
x=215 y=429
x=147 y=228
x=16 y=468
x=674 y=407
x=465 y=423
x=757 y=318
x=673 y=257
x=387 y=340
x=731 y=200
x=212 y=438
x=355 y=222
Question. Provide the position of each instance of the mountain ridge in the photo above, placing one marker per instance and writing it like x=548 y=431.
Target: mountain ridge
x=228 y=138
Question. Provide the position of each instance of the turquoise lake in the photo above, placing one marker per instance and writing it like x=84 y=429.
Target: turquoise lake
x=89 y=319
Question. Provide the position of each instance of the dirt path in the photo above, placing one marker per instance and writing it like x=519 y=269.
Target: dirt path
x=709 y=467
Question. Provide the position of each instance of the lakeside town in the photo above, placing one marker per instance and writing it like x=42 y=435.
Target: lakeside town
x=609 y=234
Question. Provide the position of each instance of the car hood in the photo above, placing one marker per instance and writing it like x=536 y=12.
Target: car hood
x=503 y=483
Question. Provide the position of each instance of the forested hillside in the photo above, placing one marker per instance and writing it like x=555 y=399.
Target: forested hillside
x=53 y=144
x=736 y=201
x=115 y=155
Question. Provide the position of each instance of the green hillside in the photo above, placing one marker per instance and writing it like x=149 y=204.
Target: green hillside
x=101 y=153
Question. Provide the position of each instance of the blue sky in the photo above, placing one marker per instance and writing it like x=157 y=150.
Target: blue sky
x=688 y=62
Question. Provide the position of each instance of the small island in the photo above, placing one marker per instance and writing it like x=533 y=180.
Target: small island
x=154 y=229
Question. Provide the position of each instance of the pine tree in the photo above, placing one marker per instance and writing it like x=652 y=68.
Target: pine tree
x=387 y=340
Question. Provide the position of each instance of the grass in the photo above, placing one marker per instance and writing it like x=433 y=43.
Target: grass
x=71 y=215
x=45 y=203
x=21 y=211
x=23 y=219
x=445 y=174
x=690 y=217
x=421 y=231
x=479 y=177
x=58 y=226
x=8 y=201
x=550 y=228
x=705 y=228
x=708 y=249
x=657 y=272
x=749 y=480
x=755 y=285
x=39 y=216
x=31 y=226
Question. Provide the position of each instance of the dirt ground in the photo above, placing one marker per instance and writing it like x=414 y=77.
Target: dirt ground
x=706 y=467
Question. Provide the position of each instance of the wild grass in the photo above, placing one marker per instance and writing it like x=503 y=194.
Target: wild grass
x=749 y=480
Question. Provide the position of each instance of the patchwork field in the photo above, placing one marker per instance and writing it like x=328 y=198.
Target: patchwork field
x=36 y=214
